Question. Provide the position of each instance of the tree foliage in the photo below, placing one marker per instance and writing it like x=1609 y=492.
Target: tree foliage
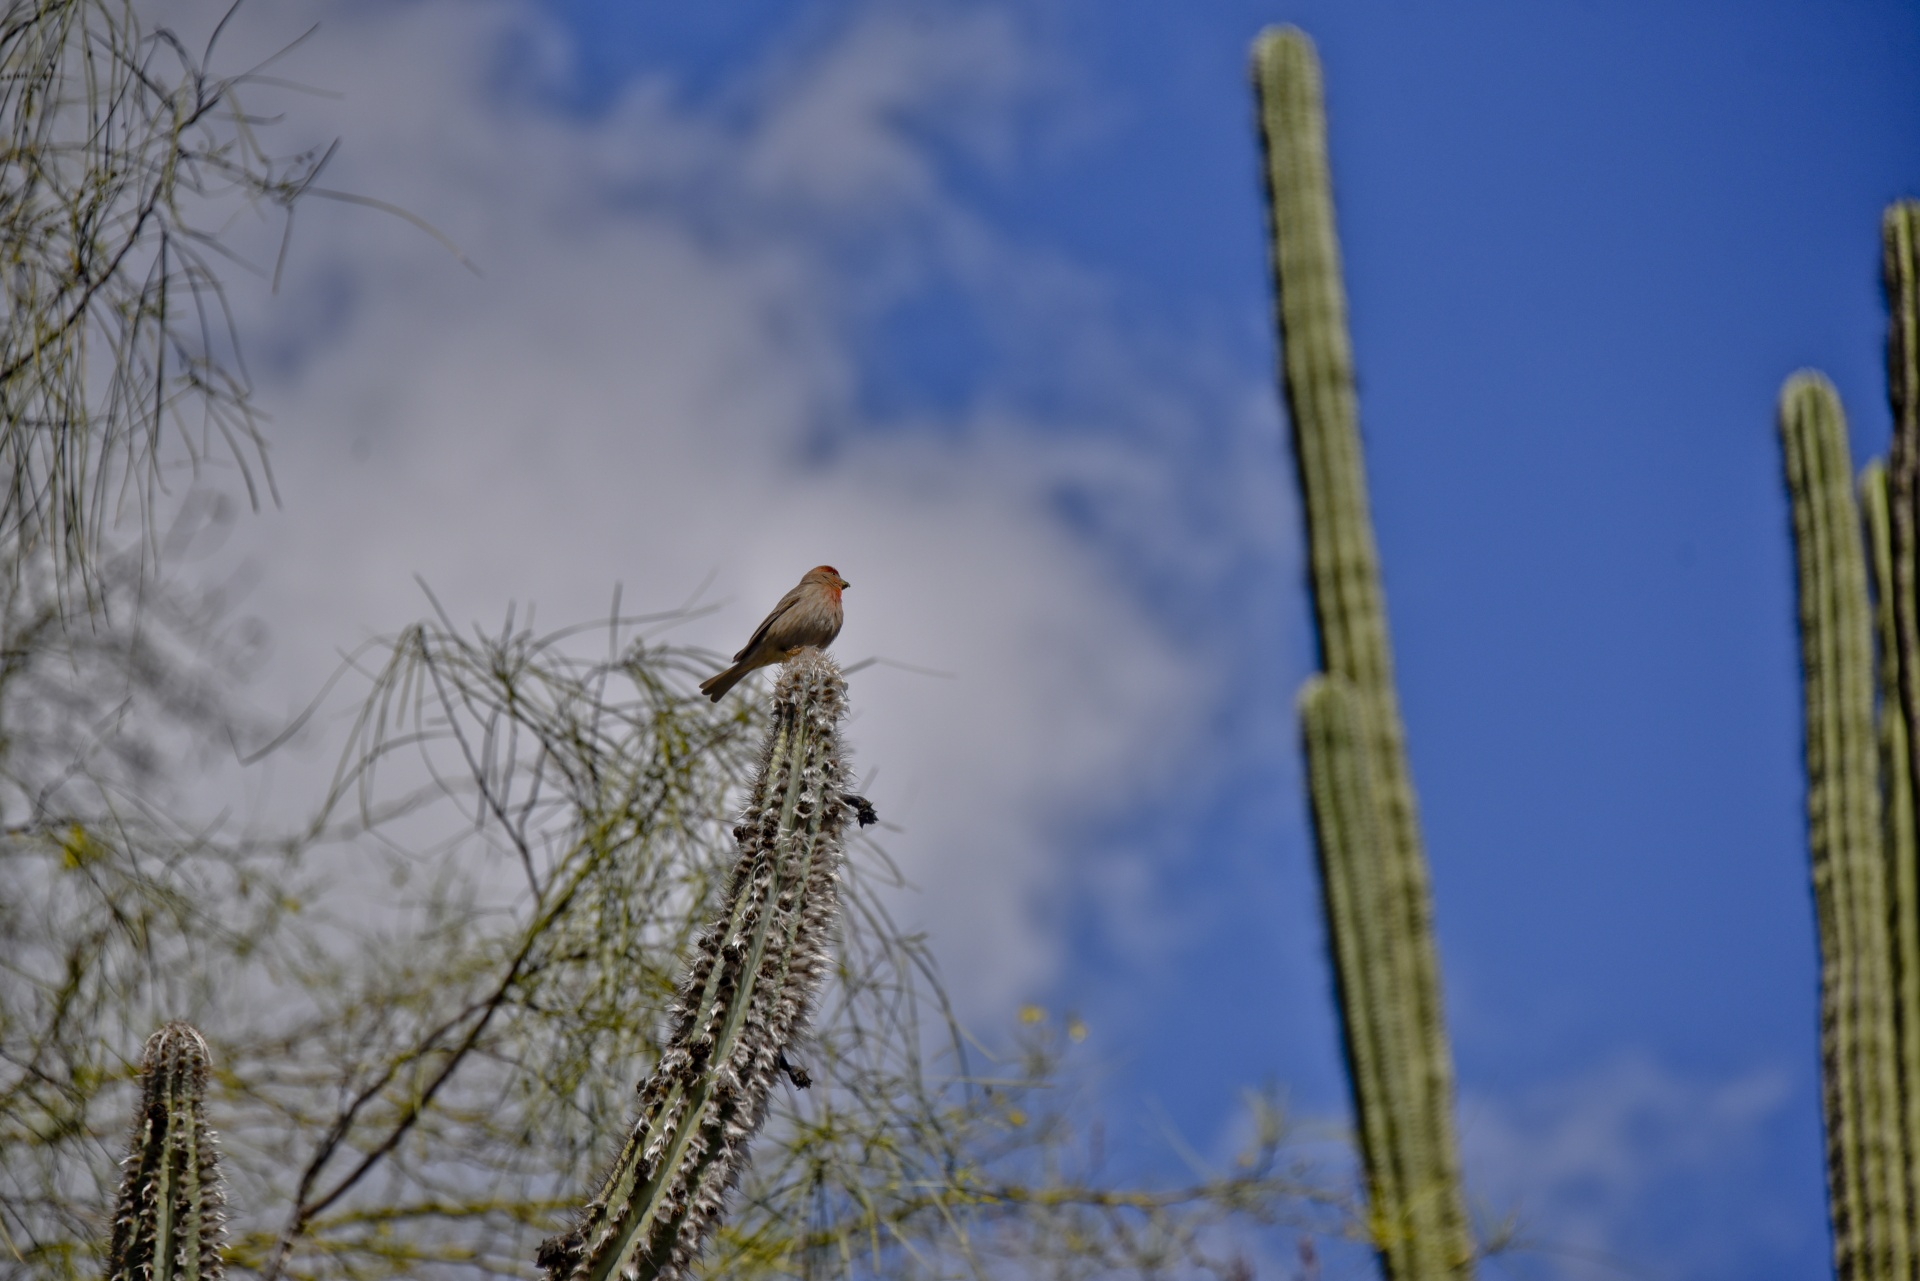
x=122 y=159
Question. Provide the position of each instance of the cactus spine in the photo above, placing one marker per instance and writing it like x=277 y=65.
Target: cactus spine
x=169 y=1224
x=746 y=995
x=1373 y=865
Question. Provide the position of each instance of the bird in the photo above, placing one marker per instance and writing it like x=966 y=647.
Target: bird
x=808 y=615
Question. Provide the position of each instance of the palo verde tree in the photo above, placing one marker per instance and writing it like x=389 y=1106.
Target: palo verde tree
x=122 y=156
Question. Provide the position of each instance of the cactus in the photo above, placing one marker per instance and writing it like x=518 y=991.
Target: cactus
x=1900 y=239
x=1895 y=550
x=1346 y=818
x=169 y=1224
x=1863 y=778
x=746 y=995
x=1373 y=865
x=1866 y=1162
x=1900 y=867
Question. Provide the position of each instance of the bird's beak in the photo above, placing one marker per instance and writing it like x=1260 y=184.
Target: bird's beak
x=844 y=584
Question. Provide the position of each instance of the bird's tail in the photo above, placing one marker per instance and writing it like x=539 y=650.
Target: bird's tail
x=715 y=687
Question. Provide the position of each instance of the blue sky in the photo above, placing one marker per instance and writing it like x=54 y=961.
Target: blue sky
x=1585 y=244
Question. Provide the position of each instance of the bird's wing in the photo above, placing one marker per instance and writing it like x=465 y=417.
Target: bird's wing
x=787 y=602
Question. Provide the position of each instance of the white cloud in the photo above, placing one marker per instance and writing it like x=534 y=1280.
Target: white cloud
x=656 y=380
x=1583 y=1164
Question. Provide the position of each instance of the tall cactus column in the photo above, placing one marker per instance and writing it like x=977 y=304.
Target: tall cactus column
x=1863 y=777
x=1866 y=1166
x=1373 y=865
x=745 y=997
x=1897 y=853
x=1900 y=239
x=1900 y=688
x=1347 y=820
x=169 y=1222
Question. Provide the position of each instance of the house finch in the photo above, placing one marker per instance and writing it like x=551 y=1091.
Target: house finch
x=807 y=615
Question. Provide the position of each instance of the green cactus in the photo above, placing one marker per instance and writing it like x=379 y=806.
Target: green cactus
x=169 y=1222
x=1900 y=240
x=745 y=997
x=1866 y=1156
x=1900 y=866
x=1382 y=938
x=1896 y=548
x=1346 y=819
